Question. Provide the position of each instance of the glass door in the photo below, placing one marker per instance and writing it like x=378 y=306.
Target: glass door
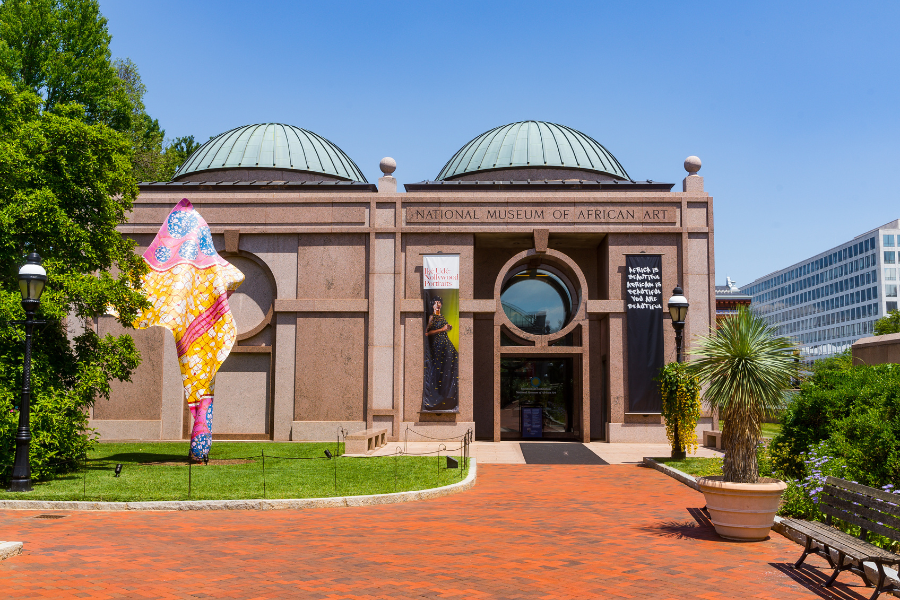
x=543 y=388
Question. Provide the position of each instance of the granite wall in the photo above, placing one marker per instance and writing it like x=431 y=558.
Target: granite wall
x=330 y=316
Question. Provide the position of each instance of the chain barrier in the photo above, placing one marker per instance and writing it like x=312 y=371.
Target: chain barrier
x=389 y=471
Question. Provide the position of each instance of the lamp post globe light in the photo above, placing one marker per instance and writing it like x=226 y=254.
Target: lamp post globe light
x=32 y=278
x=678 y=307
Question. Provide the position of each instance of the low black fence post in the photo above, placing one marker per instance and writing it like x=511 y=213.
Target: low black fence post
x=190 y=464
x=264 y=471
x=396 y=457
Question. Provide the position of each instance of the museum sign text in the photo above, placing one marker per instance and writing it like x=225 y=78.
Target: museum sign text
x=625 y=213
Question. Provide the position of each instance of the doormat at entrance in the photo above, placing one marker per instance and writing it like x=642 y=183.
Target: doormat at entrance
x=559 y=453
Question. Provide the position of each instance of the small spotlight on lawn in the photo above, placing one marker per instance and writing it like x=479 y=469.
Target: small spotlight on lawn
x=118 y=469
x=327 y=453
x=452 y=463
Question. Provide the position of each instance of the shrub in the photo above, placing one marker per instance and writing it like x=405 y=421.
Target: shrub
x=857 y=410
x=809 y=413
x=680 y=393
x=60 y=436
x=802 y=496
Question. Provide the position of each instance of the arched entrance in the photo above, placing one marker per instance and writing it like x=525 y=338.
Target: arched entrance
x=540 y=374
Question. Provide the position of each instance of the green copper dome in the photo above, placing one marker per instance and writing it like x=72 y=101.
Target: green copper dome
x=533 y=144
x=272 y=146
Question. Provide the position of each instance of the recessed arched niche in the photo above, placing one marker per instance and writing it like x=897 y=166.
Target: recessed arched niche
x=251 y=304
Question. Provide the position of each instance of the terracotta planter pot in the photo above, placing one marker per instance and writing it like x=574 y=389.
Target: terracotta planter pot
x=742 y=511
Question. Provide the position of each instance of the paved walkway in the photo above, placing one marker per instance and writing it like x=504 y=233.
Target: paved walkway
x=510 y=453
x=524 y=531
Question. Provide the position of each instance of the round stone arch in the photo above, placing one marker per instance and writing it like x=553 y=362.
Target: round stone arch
x=253 y=303
x=558 y=263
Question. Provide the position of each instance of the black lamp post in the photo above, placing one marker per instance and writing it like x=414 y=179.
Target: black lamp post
x=32 y=278
x=678 y=307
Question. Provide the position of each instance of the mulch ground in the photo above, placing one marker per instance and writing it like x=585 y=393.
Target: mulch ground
x=524 y=531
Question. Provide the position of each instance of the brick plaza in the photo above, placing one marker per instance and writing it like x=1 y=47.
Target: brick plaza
x=524 y=531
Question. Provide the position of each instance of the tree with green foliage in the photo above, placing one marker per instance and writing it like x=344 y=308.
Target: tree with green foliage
x=144 y=132
x=154 y=158
x=747 y=368
x=59 y=49
x=889 y=323
x=66 y=182
x=180 y=149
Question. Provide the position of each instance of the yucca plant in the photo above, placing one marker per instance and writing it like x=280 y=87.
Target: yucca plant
x=747 y=367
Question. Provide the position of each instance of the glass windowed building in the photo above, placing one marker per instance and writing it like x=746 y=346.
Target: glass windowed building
x=832 y=299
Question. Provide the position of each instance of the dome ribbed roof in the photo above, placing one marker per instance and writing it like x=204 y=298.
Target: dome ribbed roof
x=272 y=146
x=532 y=144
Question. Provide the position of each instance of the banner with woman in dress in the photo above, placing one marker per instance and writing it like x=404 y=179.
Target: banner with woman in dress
x=440 y=291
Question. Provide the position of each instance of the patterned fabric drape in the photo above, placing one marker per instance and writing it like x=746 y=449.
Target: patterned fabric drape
x=188 y=287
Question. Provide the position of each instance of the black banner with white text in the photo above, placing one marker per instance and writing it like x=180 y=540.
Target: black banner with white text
x=644 y=316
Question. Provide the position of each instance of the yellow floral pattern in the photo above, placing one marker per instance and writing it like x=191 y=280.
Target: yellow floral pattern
x=188 y=287
x=180 y=296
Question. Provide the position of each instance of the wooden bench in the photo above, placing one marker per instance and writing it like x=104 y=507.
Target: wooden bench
x=713 y=438
x=872 y=510
x=365 y=442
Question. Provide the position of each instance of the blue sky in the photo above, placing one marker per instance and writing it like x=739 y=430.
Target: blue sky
x=792 y=107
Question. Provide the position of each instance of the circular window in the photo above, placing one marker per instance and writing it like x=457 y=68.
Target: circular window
x=537 y=301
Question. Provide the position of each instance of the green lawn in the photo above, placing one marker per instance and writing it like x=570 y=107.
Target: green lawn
x=692 y=465
x=286 y=474
x=769 y=430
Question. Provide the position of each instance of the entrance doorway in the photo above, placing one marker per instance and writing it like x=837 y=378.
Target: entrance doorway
x=536 y=398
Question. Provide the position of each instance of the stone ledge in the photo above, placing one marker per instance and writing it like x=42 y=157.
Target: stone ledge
x=257 y=504
x=778 y=527
x=8 y=549
x=878 y=340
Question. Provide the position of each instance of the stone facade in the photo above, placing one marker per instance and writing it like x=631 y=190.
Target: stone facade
x=877 y=350
x=330 y=314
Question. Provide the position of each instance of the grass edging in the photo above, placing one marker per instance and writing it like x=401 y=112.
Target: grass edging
x=688 y=480
x=778 y=527
x=253 y=504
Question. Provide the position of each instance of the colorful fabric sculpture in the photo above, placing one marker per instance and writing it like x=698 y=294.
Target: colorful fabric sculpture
x=188 y=286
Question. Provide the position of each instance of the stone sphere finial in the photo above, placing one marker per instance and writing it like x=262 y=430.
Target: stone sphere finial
x=692 y=165
x=389 y=165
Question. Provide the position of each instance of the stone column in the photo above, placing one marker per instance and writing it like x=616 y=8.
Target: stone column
x=382 y=289
x=285 y=363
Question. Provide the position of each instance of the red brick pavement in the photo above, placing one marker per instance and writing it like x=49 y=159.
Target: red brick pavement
x=524 y=531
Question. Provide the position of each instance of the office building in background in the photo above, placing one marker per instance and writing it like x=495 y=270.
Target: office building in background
x=833 y=298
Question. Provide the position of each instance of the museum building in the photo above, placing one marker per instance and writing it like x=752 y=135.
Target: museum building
x=547 y=226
